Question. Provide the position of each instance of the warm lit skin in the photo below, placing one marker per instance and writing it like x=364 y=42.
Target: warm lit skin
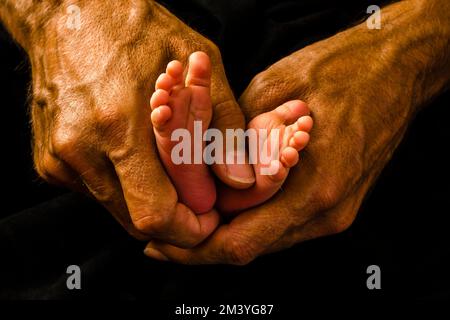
x=91 y=112
x=363 y=87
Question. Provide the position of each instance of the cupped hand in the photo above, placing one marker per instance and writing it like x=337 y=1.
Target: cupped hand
x=91 y=113
x=361 y=106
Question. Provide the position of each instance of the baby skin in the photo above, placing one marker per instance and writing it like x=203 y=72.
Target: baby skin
x=181 y=99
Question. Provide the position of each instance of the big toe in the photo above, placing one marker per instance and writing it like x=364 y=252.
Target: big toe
x=290 y=111
x=199 y=72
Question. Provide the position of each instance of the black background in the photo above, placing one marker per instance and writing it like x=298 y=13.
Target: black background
x=402 y=226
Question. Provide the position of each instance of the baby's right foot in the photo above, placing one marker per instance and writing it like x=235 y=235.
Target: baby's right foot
x=293 y=123
x=177 y=103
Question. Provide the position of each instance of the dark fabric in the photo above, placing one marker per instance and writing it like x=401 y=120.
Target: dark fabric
x=253 y=34
x=402 y=226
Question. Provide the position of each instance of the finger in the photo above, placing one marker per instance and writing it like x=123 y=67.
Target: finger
x=234 y=244
x=337 y=219
x=246 y=237
x=261 y=230
x=185 y=229
x=57 y=172
x=150 y=197
x=228 y=115
x=189 y=226
x=100 y=181
x=48 y=166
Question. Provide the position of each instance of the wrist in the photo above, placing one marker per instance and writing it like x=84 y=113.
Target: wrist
x=410 y=53
x=433 y=47
x=415 y=41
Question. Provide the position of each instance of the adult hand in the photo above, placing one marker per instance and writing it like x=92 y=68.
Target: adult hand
x=90 y=108
x=363 y=92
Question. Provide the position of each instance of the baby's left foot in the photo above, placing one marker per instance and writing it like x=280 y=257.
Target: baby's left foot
x=293 y=123
x=177 y=103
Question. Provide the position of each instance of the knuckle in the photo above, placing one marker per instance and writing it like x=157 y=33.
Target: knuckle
x=328 y=194
x=152 y=223
x=110 y=118
x=156 y=217
x=63 y=141
x=46 y=167
x=114 y=122
x=103 y=194
x=267 y=89
x=270 y=79
x=340 y=223
x=41 y=96
x=261 y=81
x=238 y=252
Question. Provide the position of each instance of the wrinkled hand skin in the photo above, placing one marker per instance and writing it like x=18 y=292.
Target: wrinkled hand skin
x=363 y=91
x=90 y=110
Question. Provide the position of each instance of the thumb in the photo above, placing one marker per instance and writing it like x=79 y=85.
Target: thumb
x=268 y=90
x=228 y=115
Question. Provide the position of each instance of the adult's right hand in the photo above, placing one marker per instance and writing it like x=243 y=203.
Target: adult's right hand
x=363 y=92
x=90 y=113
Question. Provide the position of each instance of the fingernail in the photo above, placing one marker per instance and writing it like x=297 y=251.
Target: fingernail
x=239 y=172
x=155 y=254
x=240 y=175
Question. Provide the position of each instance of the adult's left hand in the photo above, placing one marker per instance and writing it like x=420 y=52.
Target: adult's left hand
x=363 y=92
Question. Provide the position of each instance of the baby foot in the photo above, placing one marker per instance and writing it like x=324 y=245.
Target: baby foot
x=177 y=103
x=293 y=123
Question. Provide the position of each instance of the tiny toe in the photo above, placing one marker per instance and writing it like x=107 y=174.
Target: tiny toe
x=165 y=82
x=175 y=69
x=290 y=111
x=160 y=116
x=159 y=97
x=299 y=140
x=289 y=157
x=305 y=123
x=199 y=72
